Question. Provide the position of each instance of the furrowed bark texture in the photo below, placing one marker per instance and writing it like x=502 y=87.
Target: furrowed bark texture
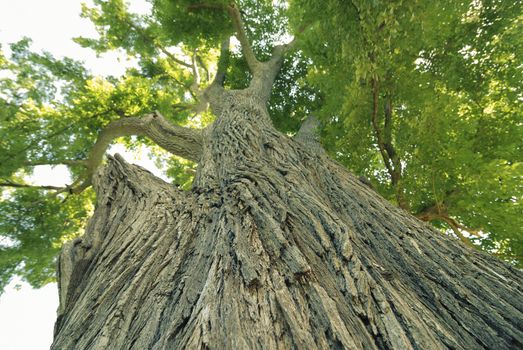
x=275 y=247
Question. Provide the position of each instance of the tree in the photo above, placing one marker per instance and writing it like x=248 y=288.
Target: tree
x=274 y=244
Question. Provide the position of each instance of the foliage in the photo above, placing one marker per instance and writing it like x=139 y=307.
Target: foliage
x=450 y=72
x=33 y=226
x=447 y=73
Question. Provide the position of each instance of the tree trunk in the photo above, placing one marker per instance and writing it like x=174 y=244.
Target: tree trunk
x=275 y=247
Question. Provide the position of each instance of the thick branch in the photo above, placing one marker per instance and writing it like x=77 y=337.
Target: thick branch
x=184 y=142
x=223 y=63
x=309 y=130
x=309 y=134
x=273 y=65
x=387 y=129
x=178 y=140
x=252 y=61
x=387 y=138
x=393 y=155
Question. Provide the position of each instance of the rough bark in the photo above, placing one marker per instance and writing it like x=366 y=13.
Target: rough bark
x=275 y=247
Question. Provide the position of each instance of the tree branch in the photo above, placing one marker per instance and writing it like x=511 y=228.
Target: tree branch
x=35 y=142
x=184 y=142
x=384 y=140
x=468 y=229
x=387 y=128
x=377 y=129
x=154 y=42
x=508 y=256
x=239 y=27
x=204 y=67
x=69 y=162
x=22 y=185
x=458 y=233
x=439 y=212
x=223 y=63
x=309 y=130
x=195 y=86
x=309 y=134
x=393 y=155
x=280 y=50
x=235 y=14
x=193 y=7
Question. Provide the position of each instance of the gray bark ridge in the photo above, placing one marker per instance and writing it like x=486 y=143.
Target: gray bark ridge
x=275 y=247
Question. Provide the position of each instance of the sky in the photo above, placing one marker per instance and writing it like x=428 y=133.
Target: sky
x=27 y=315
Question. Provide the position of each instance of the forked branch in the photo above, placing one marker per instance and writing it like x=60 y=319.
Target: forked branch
x=280 y=50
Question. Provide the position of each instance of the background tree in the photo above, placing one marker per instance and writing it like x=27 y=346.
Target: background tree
x=412 y=130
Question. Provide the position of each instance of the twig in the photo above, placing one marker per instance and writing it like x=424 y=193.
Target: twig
x=23 y=185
